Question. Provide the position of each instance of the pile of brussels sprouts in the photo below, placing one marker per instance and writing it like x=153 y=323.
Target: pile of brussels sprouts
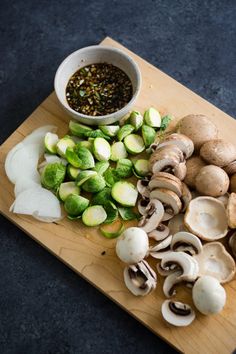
x=88 y=169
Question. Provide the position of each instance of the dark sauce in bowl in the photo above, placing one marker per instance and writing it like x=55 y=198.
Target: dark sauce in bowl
x=99 y=89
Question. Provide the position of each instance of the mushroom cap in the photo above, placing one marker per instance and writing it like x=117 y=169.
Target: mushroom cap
x=168 y=198
x=187 y=264
x=193 y=165
x=206 y=217
x=230 y=169
x=140 y=278
x=165 y=175
x=233 y=183
x=232 y=243
x=182 y=141
x=180 y=170
x=167 y=183
x=218 y=152
x=212 y=181
x=160 y=233
x=186 y=197
x=186 y=242
x=165 y=157
x=177 y=313
x=209 y=296
x=215 y=261
x=161 y=245
x=231 y=211
x=198 y=128
x=132 y=246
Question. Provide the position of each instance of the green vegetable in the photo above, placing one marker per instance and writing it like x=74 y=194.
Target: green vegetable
x=72 y=172
x=94 y=184
x=110 y=177
x=136 y=175
x=165 y=121
x=127 y=213
x=97 y=134
x=94 y=215
x=110 y=130
x=85 y=157
x=134 y=144
x=53 y=175
x=112 y=212
x=83 y=176
x=102 y=149
x=125 y=131
x=101 y=167
x=50 y=143
x=136 y=119
x=63 y=144
x=102 y=197
x=87 y=144
x=124 y=193
x=75 y=204
x=113 y=234
x=152 y=118
x=74 y=217
x=78 y=129
x=141 y=167
x=72 y=157
x=148 y=134
x=66 y=189
x=124 y=168
x=118 y=151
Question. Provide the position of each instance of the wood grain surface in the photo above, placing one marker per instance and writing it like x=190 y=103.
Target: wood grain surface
x=81 y=247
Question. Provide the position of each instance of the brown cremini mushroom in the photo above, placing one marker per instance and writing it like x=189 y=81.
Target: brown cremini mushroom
x=218 y=152
x=212 y=181
x=181 y=141
x=230 y=169
x=170 y=200
x=193 y=165
x=233 y=183
x=231 y=211
x=198 y=128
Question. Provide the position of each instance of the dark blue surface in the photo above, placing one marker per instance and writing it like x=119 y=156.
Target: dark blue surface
x=45 y=307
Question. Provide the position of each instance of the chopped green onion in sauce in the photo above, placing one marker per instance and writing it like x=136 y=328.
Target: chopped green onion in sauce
x=98 y=89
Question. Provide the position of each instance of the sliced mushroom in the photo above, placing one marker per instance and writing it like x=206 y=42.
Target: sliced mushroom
x=186 y=242
x=164 y=158
x=165 y=175
x=231 y=211
x=218 y=152
x=142 y=187
x=160 y=233
x=206 y=217
x=212 y=181
x=160 y=254
x=140 y=279
x=176 y=224
x=177 y=313
x=161 y=245
x=142 y=206
x=167 y=183
x=186 y=196
x=181 y=141
x=169 y=283
x=230 y=169
x=193 y=165
x=232 y=244
x=215 y=261
x=233 y=183
x=186 y=263
x=153 y=217
x=165 y=272
x=180 y=170
x=198 y=128
x=171 y=201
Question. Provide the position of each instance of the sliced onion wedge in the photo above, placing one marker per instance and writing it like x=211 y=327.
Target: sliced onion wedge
x=37 y=135
x=37 y=201
x=23 y=183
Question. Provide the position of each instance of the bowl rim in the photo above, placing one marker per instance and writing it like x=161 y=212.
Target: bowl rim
x=121 y=111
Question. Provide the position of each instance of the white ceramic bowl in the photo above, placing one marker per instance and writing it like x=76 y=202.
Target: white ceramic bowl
x=92 y=55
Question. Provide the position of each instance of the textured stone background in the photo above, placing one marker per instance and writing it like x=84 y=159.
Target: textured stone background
x=45 y=307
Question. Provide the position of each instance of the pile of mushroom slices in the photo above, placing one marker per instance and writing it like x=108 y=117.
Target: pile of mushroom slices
x=186 y=208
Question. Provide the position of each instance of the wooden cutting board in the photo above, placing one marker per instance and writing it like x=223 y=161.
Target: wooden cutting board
x=81 y=247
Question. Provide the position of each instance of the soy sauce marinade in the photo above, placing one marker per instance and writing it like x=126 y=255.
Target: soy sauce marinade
x=98 y=89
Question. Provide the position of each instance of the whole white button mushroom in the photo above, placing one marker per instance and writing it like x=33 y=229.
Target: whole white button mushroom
x=209 y=296
x=132 y=246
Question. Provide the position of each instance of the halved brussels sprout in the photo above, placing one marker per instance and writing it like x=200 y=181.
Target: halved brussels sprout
x=66 y=189
x=63 y=144
x=87 y=144
x=72 y=157
x=134 y=144
x=53 y=175
x=101 y=149
x=110 y=130
x=124 y=193
x=141 y=167
x=83 y=176
x=136 y=119
x=78 y=129
x=72 y=172
x=124 y=168
x=118 y=151
x=94 y=215
x=112 y=212
x=127 y=213
x=97 y=134
x=101 y=167
x=148 y=134
x=102 y=197
x=110 y=177
x=75 y=204
x=94 y=184
x=85 y=157
x=126 y=130
x=50 y=142
x=152 y=118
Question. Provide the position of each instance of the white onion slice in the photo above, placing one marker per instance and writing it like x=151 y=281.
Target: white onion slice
x=46 y=219
x=23 y=183
x=37 y=201
x=37 y=136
